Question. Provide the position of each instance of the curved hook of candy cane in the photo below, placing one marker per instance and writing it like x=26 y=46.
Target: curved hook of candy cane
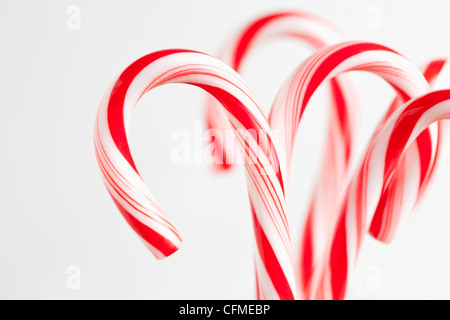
x=292 y=100
x=317 y=33
x=264 y=179
x=389 y=216
x=381 y=160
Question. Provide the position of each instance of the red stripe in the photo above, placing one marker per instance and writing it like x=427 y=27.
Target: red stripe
x=161 y=243
x=306 y=255
x=426 y=149
x=249 y=34
x=377 y=220
x=433 y=69
x=338 y=259
x=220 y=155
x=270 y=261
x=361 y=196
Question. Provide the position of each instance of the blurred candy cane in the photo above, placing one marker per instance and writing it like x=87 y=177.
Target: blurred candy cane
x=303 y=26
x=387 y=218
x=294 y=96
x=381 y=160
x=264 y=179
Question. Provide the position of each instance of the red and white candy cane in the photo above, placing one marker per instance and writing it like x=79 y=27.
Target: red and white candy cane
x=303 y=26
x=387 y=218
x=294 y=96
x=275 y=272
x=381 y=160
x=343 y=120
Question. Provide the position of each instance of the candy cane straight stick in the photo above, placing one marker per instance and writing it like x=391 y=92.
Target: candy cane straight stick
x=296 y=93
x=264 y=179
x=387 y=218
x=381 y=160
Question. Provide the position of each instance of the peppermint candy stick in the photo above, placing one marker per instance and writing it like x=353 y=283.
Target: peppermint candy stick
x=382 y=158
x=264 y=179
x=387 y=218
x=293 y=99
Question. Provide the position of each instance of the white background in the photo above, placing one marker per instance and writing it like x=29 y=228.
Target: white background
x=55 y=211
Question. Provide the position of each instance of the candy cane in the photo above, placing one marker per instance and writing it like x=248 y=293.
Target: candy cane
x=264 y=179
x=309 y=28
x=387 y=218
x=342 y=125
x=385 y=151
x=296 y=93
